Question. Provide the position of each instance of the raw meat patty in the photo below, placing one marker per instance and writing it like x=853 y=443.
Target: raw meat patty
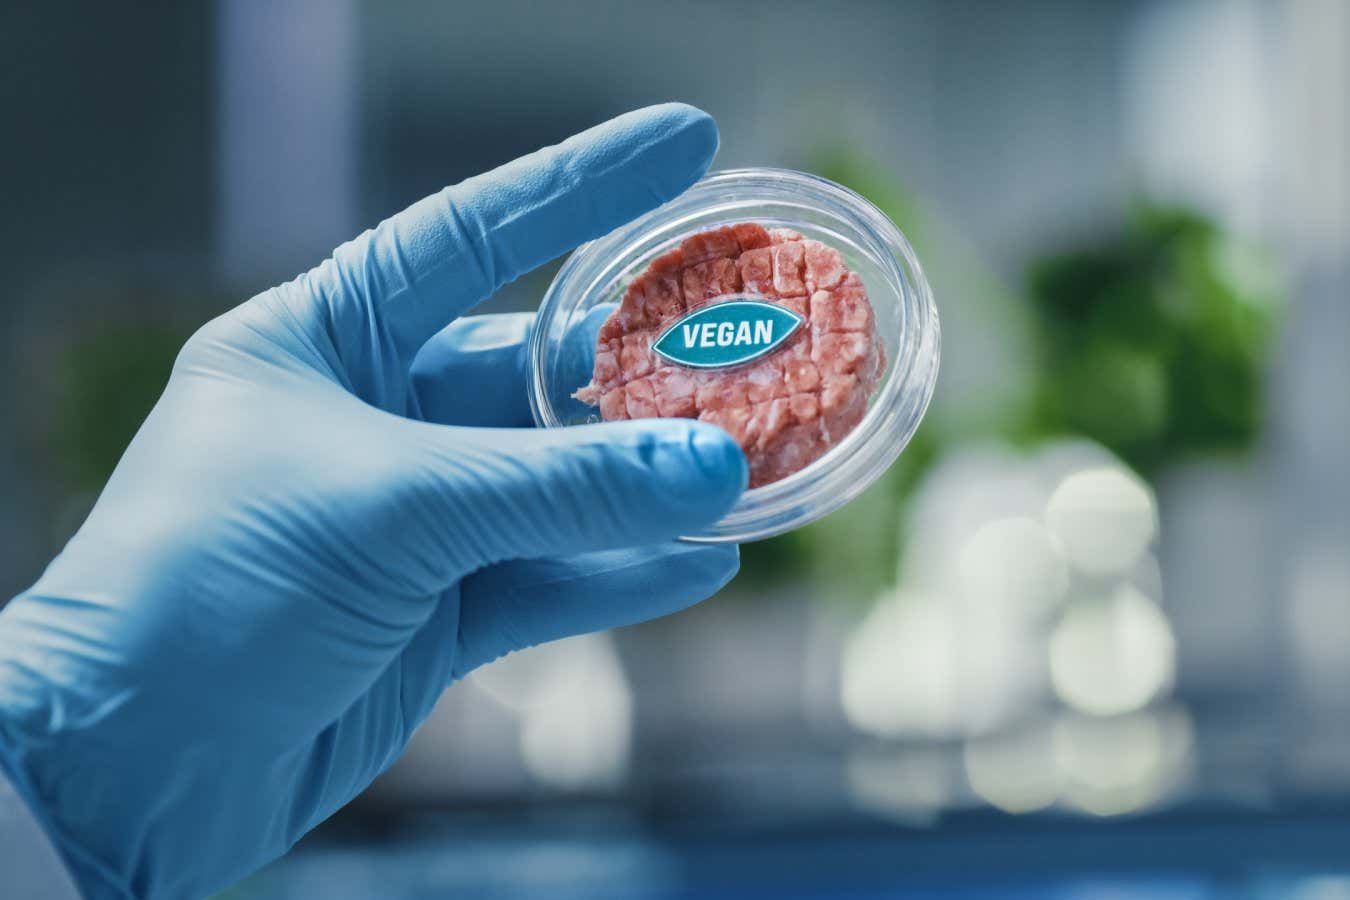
x=786 y=409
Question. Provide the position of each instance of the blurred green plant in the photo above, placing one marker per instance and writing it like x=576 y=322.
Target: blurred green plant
x=1153 y=342
x=109 y=381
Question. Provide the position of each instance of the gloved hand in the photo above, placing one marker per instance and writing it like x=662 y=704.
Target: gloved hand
x=304 y=544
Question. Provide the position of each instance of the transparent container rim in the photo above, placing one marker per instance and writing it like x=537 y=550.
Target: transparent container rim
x=898 y=405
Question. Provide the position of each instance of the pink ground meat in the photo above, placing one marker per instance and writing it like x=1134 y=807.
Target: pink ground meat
x=784 y=410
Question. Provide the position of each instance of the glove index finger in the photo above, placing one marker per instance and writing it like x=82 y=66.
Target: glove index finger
x=404 y=280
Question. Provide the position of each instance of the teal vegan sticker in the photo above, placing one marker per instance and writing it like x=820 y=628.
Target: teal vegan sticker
x=728 y=333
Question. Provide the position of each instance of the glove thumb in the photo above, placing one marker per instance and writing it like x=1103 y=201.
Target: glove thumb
x=519 y=493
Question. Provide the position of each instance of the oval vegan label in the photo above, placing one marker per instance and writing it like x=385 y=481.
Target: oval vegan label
x=727 y=333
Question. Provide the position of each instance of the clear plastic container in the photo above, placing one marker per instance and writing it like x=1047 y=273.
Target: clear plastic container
x=595 y=277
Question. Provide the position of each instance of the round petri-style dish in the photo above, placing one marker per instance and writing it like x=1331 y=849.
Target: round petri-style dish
x=781 y=306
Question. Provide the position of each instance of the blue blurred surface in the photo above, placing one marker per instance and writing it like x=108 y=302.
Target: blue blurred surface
x=1198 y=857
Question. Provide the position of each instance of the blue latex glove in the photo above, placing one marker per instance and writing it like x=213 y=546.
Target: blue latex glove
x=306 y=542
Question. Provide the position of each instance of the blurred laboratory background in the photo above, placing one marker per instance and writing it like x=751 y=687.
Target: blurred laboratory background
x=1089 y=638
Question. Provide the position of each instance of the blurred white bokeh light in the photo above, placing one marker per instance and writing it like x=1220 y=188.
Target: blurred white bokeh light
x=1112 y=655
x=1016 y=564
x=1122 y=764
x=898 y=670
x=912 y=786
x=1014 y=771
x=1025 y=577
x=934 y=667
x=1105 y=518
x=574 y=707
